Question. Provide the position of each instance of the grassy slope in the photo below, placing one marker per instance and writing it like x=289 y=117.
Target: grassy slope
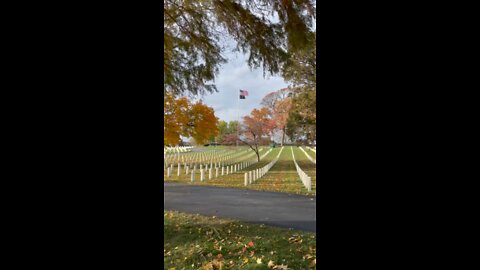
x=200 y=242
x=282 y=177
x=306 y=165
x=232 y=180
x=310 y=152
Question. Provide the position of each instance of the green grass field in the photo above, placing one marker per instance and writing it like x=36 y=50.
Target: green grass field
x=310 y=152
x=209 y=243
x=282 y=177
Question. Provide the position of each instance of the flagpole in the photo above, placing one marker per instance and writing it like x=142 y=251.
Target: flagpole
x=238 y=115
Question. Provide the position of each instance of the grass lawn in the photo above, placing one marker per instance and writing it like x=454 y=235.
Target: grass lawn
x=282 y=177
x=306 y=165
x=310 y=152
x=186 y=178
x=209 y=243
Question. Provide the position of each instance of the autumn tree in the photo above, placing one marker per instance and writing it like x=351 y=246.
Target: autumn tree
x=279 y=104
x=256 y=129
x=301 y=66
x=183 y=118
x=195 y=31
x=225 y=129
x=300 y=71
x=302 y=122
x=233 y=127
x=222 y=130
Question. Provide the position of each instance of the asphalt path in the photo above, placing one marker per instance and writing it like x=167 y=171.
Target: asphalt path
x=261 y=207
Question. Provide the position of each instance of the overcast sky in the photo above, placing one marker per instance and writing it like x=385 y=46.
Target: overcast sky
x=236 y=75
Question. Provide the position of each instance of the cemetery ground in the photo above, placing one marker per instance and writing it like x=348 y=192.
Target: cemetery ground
x=282 y=177
x=193 y=241
x=230 y=233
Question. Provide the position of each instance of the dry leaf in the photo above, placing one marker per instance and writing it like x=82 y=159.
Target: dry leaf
x=270 y=264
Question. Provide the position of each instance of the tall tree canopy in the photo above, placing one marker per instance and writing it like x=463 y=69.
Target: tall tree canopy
x=302 y=119
x=300 y=68
x=279 y=104
x=183 y=118
x=225 y=129
x=193 y=32
x=256 y=129
x=300 y=71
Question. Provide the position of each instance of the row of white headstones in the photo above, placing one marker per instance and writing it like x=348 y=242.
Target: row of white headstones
x=306 y=180
x=224 y=157
x=308 y=156
x=253 y=175
x=231 y=166
x=201 y=156
x=234 y=166
x=177 y=149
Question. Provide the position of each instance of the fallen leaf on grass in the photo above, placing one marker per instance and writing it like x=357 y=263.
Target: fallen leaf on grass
x=250 y=244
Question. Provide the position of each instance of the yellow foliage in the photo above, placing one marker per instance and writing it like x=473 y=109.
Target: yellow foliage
x=182 y=118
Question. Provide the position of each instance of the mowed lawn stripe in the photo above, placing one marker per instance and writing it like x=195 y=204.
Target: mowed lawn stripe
x=310 y=152
x=307 y=166
x=237 y=179
x=282 y=177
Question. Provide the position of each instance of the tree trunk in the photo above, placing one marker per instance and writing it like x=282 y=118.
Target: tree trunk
x=256 y=152
x=283 y=135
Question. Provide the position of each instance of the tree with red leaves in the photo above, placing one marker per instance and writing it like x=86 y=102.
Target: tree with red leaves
x=256 y=129
x=279 y=104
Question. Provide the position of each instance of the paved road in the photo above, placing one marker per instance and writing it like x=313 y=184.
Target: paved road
x=269 y=208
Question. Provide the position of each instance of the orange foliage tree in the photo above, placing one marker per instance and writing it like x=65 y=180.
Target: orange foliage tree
x=183 y=118
x=256 y=129
x=280 y=104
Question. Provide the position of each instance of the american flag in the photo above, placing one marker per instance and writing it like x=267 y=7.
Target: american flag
x=243 y=93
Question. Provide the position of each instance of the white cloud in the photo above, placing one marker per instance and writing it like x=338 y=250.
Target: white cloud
x=236 y=75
